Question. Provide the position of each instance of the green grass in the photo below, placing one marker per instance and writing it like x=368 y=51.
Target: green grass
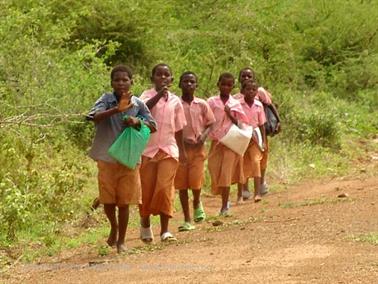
x=371 y=238
x=312 y=202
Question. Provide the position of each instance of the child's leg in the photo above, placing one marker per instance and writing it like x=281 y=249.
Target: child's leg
x=262 y=179
x=196 y=198
x=145 y=222
x=257 y=184
x=199 y=213
x=123 y=220
x=240 y=191
x=243 y=191
x=164 y=221
x=184 y=199
x=148 y=174
x=109 y=210
x=225 y=196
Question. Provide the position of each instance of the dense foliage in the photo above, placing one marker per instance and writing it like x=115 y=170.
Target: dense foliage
x=318 y=58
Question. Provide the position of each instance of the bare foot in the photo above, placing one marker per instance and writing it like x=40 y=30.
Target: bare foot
x=240 y=200
x=121 y=248
x=257 y=198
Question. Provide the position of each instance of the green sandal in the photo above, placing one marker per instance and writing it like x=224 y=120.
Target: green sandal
x=199 y=214
x=186 y=227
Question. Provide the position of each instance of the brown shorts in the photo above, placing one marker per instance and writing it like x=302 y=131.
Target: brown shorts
x=251 y=161
x=191 y=174
x=264 y=161
x=225 y=167
x=118 y=184
x=157 y=177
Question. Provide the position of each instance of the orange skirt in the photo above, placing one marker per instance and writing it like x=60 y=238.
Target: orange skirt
x=191 y=174
x=251 y=161
x=118 y=184
x=157 y=178
x=225 y=167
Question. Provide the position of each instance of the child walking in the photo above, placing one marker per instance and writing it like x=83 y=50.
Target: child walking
x=162 y=154
x=119 y=186
x=225 y=166
x=254 y=111
x=199 y=118
x=265 y=97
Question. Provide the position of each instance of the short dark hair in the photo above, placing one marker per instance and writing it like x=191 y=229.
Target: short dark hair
x=249 y=82
x=187 y=73
x=226 y=75
x=121 y=68
x=160 y=65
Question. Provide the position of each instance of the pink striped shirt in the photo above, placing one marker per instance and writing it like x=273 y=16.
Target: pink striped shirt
x=170 y=118
x=222 y=121
x=198 y=116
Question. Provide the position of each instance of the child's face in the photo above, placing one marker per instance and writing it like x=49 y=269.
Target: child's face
x=162 y=77
x=249 y=91
x=121 y=82
x=188 y=83
x=225 y=86
x=246 y=75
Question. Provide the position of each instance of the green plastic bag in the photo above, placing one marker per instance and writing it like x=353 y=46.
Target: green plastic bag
x=129 y=145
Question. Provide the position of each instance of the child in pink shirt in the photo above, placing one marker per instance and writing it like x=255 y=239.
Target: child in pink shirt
x=162 y=154
x=225 y=166
x=199 y=118
x=265 y=97
x=254 y=153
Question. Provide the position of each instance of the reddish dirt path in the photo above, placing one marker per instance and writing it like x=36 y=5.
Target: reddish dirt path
x=301 y=235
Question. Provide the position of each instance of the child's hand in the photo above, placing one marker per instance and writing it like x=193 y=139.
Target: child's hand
x=201 y=139
x=263 y=147
x=132 y=121
x=227 y=110
x=125 y=102
x=189 y=141
x=183 y=157
x=163 y=92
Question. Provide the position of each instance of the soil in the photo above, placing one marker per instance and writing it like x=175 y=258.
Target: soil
x=306 y=233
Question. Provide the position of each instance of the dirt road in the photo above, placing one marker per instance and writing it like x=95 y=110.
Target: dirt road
x=303 y=234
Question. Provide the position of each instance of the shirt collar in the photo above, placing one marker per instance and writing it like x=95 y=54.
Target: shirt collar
x=195 y=100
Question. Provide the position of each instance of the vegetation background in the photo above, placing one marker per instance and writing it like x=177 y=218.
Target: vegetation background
x=318 y=58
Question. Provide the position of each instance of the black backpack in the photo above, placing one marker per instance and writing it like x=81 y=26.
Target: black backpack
x=271 y=121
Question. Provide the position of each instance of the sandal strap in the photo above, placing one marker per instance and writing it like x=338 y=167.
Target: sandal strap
x=167 y=236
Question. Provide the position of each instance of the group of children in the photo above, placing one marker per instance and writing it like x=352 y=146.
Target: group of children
x=175 y=155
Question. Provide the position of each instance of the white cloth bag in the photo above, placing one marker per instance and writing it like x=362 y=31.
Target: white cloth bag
x=237 y=139
x=259 y=139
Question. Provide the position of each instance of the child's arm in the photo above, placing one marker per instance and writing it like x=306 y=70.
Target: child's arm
x=154 y=100
x=230 y=116
x=148 y=120
x=124 y=104
x=202 y=138
x=180 y=143
x=262 y=130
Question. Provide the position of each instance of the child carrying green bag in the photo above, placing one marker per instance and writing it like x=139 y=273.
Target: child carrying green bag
x=119 y=185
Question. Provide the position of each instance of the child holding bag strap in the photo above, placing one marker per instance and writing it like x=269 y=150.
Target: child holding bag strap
x=225 y=166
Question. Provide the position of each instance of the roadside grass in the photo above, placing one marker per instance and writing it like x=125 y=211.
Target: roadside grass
x=313 y=202
x=371 y=238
